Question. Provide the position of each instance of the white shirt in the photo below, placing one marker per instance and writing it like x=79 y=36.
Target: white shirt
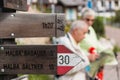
x=77 y=73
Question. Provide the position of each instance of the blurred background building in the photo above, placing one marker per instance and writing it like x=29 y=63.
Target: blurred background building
x=72 y=8
x=108 y=5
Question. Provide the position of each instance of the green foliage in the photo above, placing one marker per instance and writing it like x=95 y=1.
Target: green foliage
x=36 y=6
x=39 y=77
x=78 y=17
x=47 y=10
x=117 y=17
x=67 y=28
x=116 y=48
x=99 y=27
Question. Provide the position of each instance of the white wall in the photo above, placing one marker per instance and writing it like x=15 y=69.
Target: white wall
x=107 y=4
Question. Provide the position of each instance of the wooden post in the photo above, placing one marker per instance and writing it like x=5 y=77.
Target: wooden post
x=6 y=41
x=7 y=76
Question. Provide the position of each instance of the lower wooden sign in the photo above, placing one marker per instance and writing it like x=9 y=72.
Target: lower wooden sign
x=26 y=59
x=38 y=59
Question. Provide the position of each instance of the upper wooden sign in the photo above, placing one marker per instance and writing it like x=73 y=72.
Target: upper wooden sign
x=16 y=4
x=22 y=25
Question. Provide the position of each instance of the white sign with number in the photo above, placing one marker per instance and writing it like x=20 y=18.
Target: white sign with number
x=68 y=59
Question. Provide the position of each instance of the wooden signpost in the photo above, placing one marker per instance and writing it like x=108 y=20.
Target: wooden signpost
x=37 y=59
x=32 y=59
x=18 y=25
x=28 y=59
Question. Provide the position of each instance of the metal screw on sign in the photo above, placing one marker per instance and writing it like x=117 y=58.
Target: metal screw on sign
x=2 y=48
x=13 y=15
x=12 y=34
x=2 y=70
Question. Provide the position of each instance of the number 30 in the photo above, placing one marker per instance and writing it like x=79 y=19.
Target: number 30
x=64 y=59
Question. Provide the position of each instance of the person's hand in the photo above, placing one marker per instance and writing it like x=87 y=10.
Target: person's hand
x=93 y=57
x=93 y=54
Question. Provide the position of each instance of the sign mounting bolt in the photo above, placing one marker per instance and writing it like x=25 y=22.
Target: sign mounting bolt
x=2 y=48
x=13 y=15
x=12 y=34
x=2 y=70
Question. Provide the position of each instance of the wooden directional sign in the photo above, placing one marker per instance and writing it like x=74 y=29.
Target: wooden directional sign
x=15 y=4
x=28 y=59
x=47 y=59
x=18 y=25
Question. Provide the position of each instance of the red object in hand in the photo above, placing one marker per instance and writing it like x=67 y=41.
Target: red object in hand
x=92 y=50
x=100 y=75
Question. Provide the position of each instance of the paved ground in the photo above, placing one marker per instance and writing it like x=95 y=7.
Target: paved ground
x=113 y=72
x=113 y=33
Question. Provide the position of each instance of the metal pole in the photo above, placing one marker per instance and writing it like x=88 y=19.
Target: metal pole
x=104 y=19
x=41 y=5
x=53 y=7
x=117 y=67
x=53 y=2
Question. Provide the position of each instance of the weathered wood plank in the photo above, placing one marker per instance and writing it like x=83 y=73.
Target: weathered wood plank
x=18 y=25
x=28 y=59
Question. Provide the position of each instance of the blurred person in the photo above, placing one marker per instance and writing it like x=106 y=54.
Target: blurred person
x=91 y=41
x=77 y=32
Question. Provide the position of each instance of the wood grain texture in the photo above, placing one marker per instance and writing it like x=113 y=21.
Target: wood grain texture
x=26 y=59
x=20 y=25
